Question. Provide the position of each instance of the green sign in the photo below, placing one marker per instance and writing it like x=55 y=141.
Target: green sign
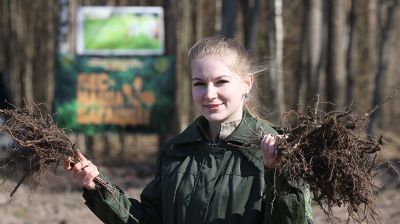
x=95 y=94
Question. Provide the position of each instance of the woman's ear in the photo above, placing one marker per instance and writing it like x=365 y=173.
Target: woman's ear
x=248 y=81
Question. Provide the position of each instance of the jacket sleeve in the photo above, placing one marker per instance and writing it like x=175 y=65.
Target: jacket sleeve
x=287 y=201
x=113 y=206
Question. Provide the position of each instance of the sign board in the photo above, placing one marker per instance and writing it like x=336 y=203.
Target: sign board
x=107 y=30
x=95 y=94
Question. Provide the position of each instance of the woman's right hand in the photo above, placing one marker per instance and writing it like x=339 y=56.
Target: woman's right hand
x=84 y=171
x=269 y=151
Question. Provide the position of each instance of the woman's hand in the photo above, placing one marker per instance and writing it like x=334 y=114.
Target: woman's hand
x=84 y=171
x=269 y=151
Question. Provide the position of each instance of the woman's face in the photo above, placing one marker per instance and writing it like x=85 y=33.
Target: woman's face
x=218 y=90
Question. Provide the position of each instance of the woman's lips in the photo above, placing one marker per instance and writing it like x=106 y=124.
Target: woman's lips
x=212 y=106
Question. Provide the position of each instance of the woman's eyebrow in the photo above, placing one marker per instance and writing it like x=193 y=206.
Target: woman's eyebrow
x=223 y=76
x=216 y=78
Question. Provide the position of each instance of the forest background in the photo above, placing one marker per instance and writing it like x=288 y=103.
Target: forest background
x=345 y=52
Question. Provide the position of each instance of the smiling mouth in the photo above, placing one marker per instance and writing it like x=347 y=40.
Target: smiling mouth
x=212 y=106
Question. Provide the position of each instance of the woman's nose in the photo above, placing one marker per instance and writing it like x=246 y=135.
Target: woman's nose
x=211 y=92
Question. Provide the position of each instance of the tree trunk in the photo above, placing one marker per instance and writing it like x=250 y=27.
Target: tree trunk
x=51 y=51
x=170 y=27
x=382 y=66
x=229 y=9
x=278 y=73
x=275 y=46
x=5 y=17
x=28 y=35
x=15 y=53
x=350 y=54
x=250 y=14
x=373 y=28
x=335 y=68
x=301 y=87
x=63 y=26
x=205 y=15
x=315 y=39
x=185 y=37
x=270 y=85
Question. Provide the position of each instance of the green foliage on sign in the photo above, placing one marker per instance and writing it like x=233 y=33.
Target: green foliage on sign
x=123 y=31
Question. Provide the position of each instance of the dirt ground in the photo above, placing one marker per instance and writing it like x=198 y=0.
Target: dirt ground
x=59 y=199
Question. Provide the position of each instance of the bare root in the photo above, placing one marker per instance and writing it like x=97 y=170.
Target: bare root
x=330 y=152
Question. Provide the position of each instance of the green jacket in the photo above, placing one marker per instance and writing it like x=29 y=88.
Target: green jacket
x=200 y=182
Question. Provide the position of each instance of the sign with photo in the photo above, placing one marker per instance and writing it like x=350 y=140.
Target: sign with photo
x=95 y=94
x=105 y=30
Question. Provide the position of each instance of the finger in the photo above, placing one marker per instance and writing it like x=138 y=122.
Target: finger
x=272 y=148
x=77 y=167
x=89 y=173
x=81 y=165
x=87 y=177
x=267 y=137
x=264 y=141
x=89 y=185
x=271 y=144
x=82 y=175
x=67 y=164
x=86 y=164
x=80 y=156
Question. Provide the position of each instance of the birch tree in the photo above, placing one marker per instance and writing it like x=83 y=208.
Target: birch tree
x=315 y=40
x=277 y=51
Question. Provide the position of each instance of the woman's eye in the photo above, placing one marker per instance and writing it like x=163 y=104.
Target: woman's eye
x=198 y=84
x=222 y=82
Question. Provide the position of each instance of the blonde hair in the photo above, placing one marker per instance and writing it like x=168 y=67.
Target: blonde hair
x=241 y=62
x=221 y=46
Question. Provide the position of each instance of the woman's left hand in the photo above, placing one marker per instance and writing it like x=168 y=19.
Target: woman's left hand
x=269 y=151
x=83 y=171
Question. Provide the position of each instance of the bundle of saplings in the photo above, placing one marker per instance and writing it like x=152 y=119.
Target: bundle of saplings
x=38 y=145
x=332 y=153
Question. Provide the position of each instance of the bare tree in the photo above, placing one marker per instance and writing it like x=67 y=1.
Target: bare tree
x=279 y=55
x=185 y=36
x=205 y=17
x=335 y=67
x=380 y=74
x=249 y=10
x=276 y=37
x=5 y=17
x=170 y=26
x=228 y=15
x=250 y=13
x=315 y=40
x=300 y=86
x=350 y=53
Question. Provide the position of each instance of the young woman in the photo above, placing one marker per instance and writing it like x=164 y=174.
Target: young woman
x=221 y=168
